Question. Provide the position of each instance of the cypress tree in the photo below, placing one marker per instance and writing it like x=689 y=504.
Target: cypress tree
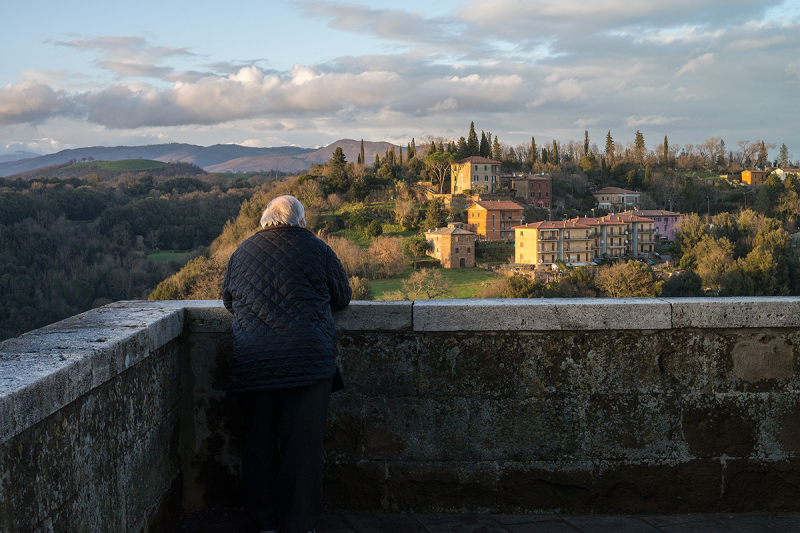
x=401 y=157
x=485 y=149
x=609 y=146
x=432 y=149
x=413 y=149
x=472 y=141
x=640 y=148
x=534 y=152
x=666 y=152
x=585 y=142
x=362 y=158
x=497 y=152
x=377 y=163
x=783 y=156
x=462 y=149
x=556 y=159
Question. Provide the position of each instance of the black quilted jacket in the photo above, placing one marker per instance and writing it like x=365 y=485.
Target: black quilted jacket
x=282 y=285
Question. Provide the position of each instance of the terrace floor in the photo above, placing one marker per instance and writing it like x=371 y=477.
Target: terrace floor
x=236 y=521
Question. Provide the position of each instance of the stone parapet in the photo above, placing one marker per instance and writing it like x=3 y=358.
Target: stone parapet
x=593 y=405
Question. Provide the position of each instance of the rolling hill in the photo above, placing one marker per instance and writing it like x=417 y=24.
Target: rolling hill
x=216 y=158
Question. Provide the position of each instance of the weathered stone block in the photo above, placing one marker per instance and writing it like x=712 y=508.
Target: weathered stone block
x=205 y=318
x=659 y=487
x=416 y=429
x=374 y=316
x=721 y=425
x=635 y=427
x=467 y=366
x=360 y=356
x=783 y=419
x=541 y=315
x=741 y=312
x=354 y=486
x=752 y=485
x=762 y=360
x=532 y=429
x=549 y=488
x=8 y=422
x=451 y=487
x=343 y=436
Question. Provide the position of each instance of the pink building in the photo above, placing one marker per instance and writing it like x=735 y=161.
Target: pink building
x=666 y=222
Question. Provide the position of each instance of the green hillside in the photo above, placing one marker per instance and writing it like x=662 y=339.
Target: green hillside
x=124 y=165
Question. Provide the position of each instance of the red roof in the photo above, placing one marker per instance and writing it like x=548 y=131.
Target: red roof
x=495 y=205
x=478 y=159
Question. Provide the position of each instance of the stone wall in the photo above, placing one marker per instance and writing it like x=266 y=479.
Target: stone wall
x=576 y=406
x=89 y=411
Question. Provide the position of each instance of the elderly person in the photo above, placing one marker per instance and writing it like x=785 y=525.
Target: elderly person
x=282 y=285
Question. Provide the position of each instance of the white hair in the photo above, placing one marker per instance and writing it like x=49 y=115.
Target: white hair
x=283 y=210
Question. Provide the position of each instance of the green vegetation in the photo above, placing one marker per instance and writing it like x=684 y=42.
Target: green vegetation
x=168 y=257
x=466 y=282
x=123 y=165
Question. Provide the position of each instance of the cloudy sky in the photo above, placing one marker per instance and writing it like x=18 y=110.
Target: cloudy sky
x=306 y=73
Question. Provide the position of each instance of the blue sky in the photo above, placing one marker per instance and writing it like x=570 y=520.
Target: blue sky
x=310 y=72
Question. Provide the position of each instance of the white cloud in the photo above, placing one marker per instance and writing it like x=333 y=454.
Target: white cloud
x=694 y=64
x=651 y=120
x=444 y=106
x=29 y=101
x=564 y=91
x=263 y=142
x=585 y=122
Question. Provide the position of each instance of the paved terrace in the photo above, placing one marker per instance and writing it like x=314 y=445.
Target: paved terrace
x=460 y=415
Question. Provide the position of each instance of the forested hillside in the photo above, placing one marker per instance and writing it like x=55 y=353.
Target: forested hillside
x=67 y=245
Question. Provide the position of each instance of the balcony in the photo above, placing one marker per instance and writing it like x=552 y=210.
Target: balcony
x=117 y=419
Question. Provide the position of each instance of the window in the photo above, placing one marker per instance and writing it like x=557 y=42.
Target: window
x=468 y=249
x=456 y=250
x=484 y=167
x=476 y=167
x=486 y=178
x=522 y=245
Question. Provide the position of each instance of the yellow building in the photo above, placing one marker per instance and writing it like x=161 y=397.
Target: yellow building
x=756 y=178
x=582 y=240
x=494 y=219
x=475 y=174
x=615 y=198
x=544 y=243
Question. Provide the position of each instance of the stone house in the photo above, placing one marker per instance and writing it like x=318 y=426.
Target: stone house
x=452 y=246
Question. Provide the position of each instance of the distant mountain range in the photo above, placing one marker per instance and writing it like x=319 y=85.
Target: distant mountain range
x=216 y=158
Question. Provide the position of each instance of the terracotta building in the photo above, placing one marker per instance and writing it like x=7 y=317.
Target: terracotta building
x=533 y=189
x=475 y=174
x=453 y=247
x=494 y=220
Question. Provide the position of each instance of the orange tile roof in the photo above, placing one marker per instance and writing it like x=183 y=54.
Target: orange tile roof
x=494 y=205
x=554 y=224
x=478 y=159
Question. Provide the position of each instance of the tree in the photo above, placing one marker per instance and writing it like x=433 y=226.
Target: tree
x=427 y=283
x=417 y=247
x=361 y=159
x=609 y=147
x=439 y=163
x=556 y=158
x=519 y=286
x=359 y=190
x=763 y=156
x=783 y=156
x=386 y=256
x=377 y=165
x=647 y=178
x=685 y=284
x=432 y=149
x=412 y=149
x=639 y=147
x=665 y=162
x=361 y=289
x=435 y=217
x=588 y=164
x=585 y=142
x=473 y=146
x=628 y=280
x=336 y=174
x=485 y=148
x=497 y=152
x=374 y=229
x=462 y=150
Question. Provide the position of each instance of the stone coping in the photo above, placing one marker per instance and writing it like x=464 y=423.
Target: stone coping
x=45 y=369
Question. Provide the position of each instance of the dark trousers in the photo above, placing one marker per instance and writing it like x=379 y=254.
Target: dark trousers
x=282 y=462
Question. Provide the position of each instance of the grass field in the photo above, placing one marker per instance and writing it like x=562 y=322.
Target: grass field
x=359 y=237
x=466 y=281
x=124 y=165
x=165 y=256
